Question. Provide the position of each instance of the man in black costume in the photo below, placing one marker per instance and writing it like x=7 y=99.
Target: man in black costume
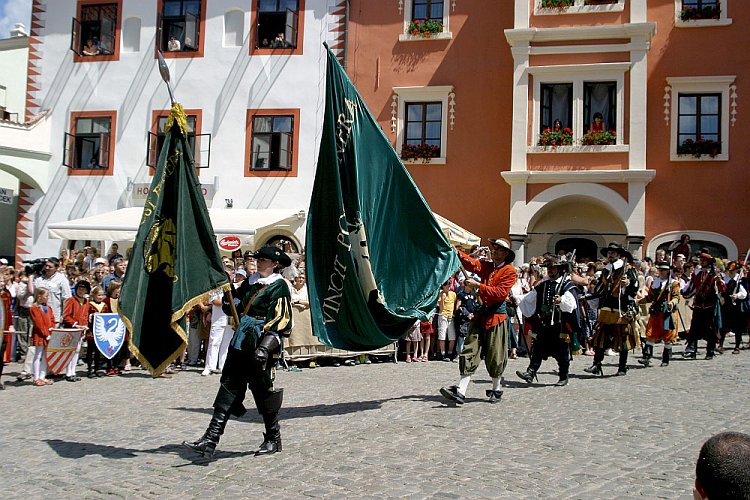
x=551 y=305
x=266 y=315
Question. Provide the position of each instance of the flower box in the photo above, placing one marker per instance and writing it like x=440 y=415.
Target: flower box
x=423 y=152
x=425 y=27
x=556 y=4
x=599 y=138
x=556 y=138
x=705 y=12
x=699 y=148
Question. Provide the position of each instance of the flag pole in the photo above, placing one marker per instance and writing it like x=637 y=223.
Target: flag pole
x=164 y=71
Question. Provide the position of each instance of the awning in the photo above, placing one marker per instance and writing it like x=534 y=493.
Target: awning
x=122 y=224
x=456 y=234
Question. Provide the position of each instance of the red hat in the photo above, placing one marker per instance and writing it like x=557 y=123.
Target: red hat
x=706 y=256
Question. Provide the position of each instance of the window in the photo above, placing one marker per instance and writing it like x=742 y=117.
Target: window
x=95 y=32
x=180 y=27
x=200 y=144
x=423 y=124
x=271 y=142
x=574 y=95
x=423 y=10
x=425 y=20
x=234 y=28
x=599 y=98
x=422 y=118
x=698 y=117
x=700 y=110
x=277 y=24
x=557 y=104
x=89 y=148
x=701 y=13
x=544 y=8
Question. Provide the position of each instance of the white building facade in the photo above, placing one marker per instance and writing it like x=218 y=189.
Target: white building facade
x=249 y=74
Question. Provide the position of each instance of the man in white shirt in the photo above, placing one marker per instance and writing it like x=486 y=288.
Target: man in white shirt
x=173 y=45
x=57 y=285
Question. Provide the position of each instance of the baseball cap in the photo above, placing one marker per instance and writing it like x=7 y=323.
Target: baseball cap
x=101 y=260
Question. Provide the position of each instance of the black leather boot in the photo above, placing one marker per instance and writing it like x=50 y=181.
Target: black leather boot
x=529 y=375
x=622 y=369
x=648 y=352
x=595 y=369
x=206 y=445
x=665 y=355
x=269 y=409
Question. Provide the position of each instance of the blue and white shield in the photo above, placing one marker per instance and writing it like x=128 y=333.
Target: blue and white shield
x=109 y=333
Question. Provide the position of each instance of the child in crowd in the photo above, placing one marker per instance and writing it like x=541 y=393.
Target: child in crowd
x=75 y=314
x=427 y=331
x=464 y=314
x=413 y=337
x=446 y=305
x=43 y=320
x=93 y=356
x=122 y=359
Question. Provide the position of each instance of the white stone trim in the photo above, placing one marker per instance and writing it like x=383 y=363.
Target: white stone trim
x=578 y=176
x=579 y=7
x=702 y=23
x=408 y=6
x=615 y=148
x=577 y=75
x=442 y=93
x=640 y=31
x=701 y=84
x=726 y=242
x=581 y=49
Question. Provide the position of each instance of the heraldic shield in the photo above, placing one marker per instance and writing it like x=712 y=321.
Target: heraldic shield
x=63 y=344
x=109 y=333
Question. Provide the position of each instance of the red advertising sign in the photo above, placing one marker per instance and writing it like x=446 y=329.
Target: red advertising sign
x=230 y=243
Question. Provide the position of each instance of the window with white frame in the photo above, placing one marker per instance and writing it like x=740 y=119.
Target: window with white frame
x=700 y=117
x=422 y=121
x=576 y=96
x=700 y=13
x=426 y=19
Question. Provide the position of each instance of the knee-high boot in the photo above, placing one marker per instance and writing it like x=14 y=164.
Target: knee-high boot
x=666 y=355
x=206 y=445
x=648 y=353
x=269 y=408
x=623 y=367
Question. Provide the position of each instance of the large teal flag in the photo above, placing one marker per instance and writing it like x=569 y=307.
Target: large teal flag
x=376 y=257
x=175 y=261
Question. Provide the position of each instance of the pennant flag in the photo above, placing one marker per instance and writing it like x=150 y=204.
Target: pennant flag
x=109 y=333
x=175 y=261
x=375 y=255
x=62 y=345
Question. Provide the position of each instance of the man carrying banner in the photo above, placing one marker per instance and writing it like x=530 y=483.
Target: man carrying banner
x=266 y=312
x=488 y=331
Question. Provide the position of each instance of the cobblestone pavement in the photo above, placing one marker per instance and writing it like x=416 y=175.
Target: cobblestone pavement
x=379 y=430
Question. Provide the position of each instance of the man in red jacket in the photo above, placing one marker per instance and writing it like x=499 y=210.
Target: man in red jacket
x=488 y=330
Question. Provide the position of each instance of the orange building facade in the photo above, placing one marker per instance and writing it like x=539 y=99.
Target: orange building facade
x=649 y=142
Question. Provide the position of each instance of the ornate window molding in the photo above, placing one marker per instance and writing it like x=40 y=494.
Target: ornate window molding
x=698 y=85
x=701 y=23
x=406 y=6
x=577 y=75
x=444 y=94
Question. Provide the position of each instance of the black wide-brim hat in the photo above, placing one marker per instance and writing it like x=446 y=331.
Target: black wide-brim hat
x=617 y=248
x=273 y=253
x=501 y=242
